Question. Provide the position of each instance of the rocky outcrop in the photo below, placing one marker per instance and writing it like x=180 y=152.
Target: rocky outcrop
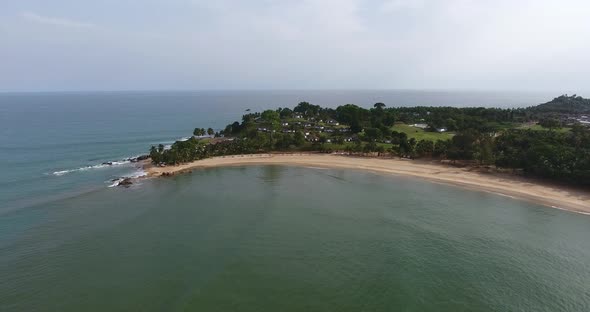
x=139 y=158
x=126 y=182
x=130 y=159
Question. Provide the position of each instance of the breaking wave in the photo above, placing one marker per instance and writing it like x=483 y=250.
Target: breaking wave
x=101 y=165
x=135 y=175
x=63 y=172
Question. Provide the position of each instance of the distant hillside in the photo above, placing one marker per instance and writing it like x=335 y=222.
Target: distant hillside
x=566 y=105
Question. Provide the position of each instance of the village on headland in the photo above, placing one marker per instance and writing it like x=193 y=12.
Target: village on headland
x=550 y=141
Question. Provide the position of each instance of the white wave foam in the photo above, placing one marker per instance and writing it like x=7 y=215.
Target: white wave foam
x=134 y=175
x=99 y=166
x=138 y=174
x=575 y=211
x=116 y=182
x=118 y=163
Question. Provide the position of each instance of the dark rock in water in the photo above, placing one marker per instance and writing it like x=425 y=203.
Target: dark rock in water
x=126 y=182
x=110 y=163
x=138 y=158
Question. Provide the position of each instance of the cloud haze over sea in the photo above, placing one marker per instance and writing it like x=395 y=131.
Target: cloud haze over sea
x=318 y=44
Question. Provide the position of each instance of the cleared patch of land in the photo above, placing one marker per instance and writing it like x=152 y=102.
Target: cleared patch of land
x=546 y=194
x=421 y=134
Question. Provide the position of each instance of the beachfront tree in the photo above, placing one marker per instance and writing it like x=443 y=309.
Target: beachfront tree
x=484 y=150
x=405 y=149
x=441 y=148
x=424 y=148
x=199 y=132
x=370 y=147
x=155 y=155
x=210 y=131
x=463 y=145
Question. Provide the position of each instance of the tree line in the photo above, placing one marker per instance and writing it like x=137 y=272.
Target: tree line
x=481 y=137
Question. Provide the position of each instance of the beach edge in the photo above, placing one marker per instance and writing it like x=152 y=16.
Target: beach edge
x=547 y=194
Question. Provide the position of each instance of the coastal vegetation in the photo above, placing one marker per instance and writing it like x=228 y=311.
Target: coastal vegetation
x=545 y=141
x=565 y=105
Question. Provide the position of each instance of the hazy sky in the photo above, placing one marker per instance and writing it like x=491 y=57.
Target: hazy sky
x=287 y=44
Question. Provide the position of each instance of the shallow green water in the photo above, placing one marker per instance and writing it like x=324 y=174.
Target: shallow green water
x=275 y=238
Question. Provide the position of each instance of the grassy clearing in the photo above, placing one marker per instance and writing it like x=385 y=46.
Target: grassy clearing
x=536 y=127
x=421 y=134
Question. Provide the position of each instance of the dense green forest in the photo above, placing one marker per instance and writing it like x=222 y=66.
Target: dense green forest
x=520 y=139
x=565 y=104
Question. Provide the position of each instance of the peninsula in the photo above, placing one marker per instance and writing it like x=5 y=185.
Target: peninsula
x=540 y=153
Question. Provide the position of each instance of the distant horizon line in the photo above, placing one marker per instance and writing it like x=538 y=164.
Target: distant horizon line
x=556 y=93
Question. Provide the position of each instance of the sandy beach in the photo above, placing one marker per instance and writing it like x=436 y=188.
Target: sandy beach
x=559 y=197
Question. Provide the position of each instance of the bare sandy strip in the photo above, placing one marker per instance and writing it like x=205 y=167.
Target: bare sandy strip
x=551 y=195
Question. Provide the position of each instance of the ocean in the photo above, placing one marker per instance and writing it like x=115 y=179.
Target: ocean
x=258 y=238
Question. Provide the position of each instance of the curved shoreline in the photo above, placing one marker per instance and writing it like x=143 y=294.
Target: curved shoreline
x=554 y=196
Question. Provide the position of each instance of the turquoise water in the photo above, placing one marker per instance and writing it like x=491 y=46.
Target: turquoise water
x=275 y=238
x=258 y=238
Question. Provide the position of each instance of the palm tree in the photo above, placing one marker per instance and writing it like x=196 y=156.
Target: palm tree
x=155 y=155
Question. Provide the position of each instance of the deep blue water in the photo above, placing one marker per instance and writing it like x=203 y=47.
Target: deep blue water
x=46 y=133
